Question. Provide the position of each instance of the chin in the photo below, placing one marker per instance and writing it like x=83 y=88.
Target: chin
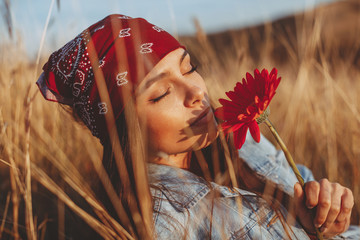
x=206 y=140
x=189 y=144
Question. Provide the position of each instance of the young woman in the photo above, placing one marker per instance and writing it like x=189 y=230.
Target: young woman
x=134 y=86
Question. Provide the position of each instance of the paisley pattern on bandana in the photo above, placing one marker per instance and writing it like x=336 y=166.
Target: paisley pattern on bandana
x=126 y=50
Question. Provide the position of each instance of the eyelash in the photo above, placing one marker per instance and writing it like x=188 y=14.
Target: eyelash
x=193 y=69
x=155 y=100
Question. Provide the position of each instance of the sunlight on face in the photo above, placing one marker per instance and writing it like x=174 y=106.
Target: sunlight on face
x=173 y=106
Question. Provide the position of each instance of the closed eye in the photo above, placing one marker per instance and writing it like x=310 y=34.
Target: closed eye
x=157 y=99
x=193 y=69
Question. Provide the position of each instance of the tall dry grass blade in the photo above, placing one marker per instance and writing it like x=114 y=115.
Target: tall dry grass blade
x=6 y=12
x=61 y=219
x=231 y=171
x=139 y=198
x=229 y=162
x=58 y=4
x=140 y=171
x=30 y=227
x=17 y=187
x=15 y=172
x=332 y=159
x=113 y=135
x=348 y=102
x=356 y=166
x=199 y=156
x=173 y=19
x=43 y=38
x=207 y=175
x=42 y=228
x=5 y=162
x=286 y=42
x=209 y=60
x=5 y=214
x=15 y=203
x=7 y=137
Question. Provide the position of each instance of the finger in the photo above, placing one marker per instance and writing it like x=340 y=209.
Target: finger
x=299 y=196
x=335 y=206
x=324 y=203
x=347 y=203
x=303 y=214
x=337 y=228
x=298 y=192
x=312 y=190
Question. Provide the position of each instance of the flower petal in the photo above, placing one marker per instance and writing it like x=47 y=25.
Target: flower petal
x=219 y=113
x=273 y=72
x=255 y=131
x=225 y=102
x=240 y=136
x=227 y=127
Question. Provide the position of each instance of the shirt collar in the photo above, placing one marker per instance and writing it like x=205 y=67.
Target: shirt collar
x=182 y=188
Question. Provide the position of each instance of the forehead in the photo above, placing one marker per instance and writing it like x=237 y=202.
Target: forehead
x=173 y=58
x=162 y=68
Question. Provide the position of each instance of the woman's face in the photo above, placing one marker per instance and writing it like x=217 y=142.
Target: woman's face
x=173 y=106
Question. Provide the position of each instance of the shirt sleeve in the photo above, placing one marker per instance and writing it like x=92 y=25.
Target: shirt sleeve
x=271 y=163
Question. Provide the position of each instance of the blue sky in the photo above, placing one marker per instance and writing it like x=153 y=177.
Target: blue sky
x=175 y=16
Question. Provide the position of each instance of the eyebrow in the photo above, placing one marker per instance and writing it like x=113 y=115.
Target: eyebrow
x=164 y=74
x=183 y=56
x=156 y=78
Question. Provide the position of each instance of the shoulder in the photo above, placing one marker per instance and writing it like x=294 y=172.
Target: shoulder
x=271 y=163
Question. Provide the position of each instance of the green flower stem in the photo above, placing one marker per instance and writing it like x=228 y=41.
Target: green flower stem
x=290 y=161
x=286 y=151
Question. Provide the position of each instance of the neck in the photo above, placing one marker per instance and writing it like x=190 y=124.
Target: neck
x=180 y=160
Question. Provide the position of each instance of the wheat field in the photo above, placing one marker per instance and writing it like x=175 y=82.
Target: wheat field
x=48 y=161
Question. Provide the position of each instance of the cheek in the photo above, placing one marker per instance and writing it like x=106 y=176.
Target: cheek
x=165 y=133
x=164 y=128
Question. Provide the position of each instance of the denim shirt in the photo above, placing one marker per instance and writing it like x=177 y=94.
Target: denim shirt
x=271 y=163
x=188 y=207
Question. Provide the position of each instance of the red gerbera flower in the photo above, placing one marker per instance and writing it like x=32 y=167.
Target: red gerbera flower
x=247 y=102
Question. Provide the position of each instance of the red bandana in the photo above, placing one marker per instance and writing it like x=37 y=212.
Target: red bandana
x=125 y=50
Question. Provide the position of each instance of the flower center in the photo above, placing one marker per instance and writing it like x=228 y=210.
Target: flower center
x=263 y=116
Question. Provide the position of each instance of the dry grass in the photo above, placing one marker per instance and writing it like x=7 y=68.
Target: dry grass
x=316 y=111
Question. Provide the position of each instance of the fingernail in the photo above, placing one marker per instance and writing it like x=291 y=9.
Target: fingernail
x=317 y=225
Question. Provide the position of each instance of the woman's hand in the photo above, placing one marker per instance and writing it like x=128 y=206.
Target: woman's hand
x=333 y=204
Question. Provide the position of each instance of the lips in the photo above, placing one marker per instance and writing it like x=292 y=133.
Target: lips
x=201 y=118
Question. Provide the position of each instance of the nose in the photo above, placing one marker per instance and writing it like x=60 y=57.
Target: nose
x=194 y=95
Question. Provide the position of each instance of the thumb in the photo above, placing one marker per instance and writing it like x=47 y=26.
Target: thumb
x=298 y=192
x=299 y=199
x=303 y=214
